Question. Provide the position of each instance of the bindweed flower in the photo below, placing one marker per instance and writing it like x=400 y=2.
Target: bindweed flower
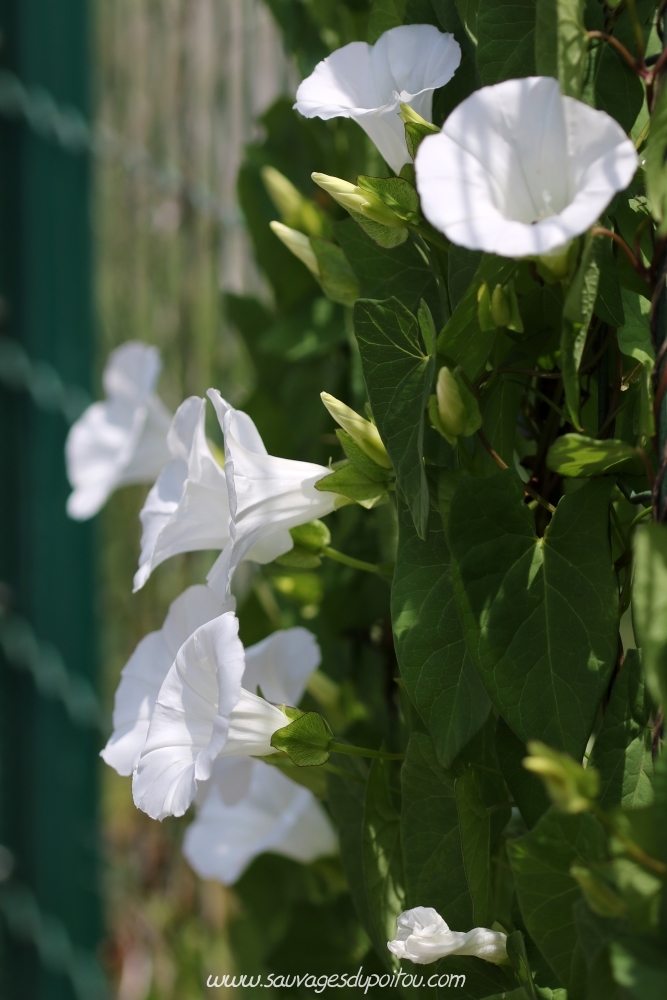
x=297 y=243
x=121 y=440
x=144 y=672
x=267 y=497
x=369 y=82
x=204 y=712
x=422 y=936
x=520 y=170
x=362 y=431
x=273 y=814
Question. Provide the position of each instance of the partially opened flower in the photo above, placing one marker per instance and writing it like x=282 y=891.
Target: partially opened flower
x=147 y=668
x=204 y=712
x=369 y=82
x=274 y=815
x=121 y=440
x=520 y=170
x=422 y=936
x=187 y=509
x=267 y=497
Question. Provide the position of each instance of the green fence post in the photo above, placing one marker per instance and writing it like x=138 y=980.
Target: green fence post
x=48 y=763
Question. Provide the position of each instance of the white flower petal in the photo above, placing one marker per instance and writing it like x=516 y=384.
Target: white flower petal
x=422 y=936
x=367 y=83
x=187 y=509
x=190 y=721
x=121 y=440
x=267 y=496
x=252 y=723
x=519 y=170
x=281 y=664
x=276 y=815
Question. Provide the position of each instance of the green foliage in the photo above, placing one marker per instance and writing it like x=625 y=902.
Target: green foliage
x=560 y=43
x=577 y=455
x=505 y=39
x=382 y=855
x=577 y=313
x=656 y=151
x=650 y=606
x=305 y=740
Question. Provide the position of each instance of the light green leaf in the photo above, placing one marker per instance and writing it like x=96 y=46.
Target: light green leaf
x=546 y=891
x=622 y=750
x=383 y=861
x=305 y=740
x=561 y=43
x=398 y=377
x=641 y=968
x=430 y=646
x=650 y=605
x=462 y=342
x=540 y=614
x=577 y=312
x=337 y=278
x=363 y=462
x=634 y=336
x=656 y=161
x=505 y=39
x=349 y=481
x=434 y=871
x=395 y=192
x=578 y=456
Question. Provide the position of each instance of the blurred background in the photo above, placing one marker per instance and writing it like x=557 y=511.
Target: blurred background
x=132 y=207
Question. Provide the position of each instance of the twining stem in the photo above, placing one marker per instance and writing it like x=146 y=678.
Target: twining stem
x=346 y=560
x=633 y=63
x=345 y=748
x=636 y=264
x=629 y=845
x=502 y=464
x=644 y=513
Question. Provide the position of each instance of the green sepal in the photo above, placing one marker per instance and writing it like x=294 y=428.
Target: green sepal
x=298 y=558
x=306 y=740
x=396 y=193
x=338 y=280
x=385 y=236
x=577 y=456
x=350 y=482
x=313 y=537
x=360 y=460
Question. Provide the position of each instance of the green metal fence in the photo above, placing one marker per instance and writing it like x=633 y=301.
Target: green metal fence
x=49 y=727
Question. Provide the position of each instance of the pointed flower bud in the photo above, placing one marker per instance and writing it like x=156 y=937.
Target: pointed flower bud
x=295 y=210
x=484 y=314
x=454 y=411
x=299 y=244
x=362 y=431
x=500 y=307
x=358 y=201
x=570 y=787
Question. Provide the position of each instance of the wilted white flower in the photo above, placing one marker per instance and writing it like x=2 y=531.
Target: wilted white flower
x=519 y=170
x=204 y=712
x=273 y=814
x=121 y=440
x=422 y=936
x=147 y=668
x=187 y=509
x=267 y=497
x=369 y=82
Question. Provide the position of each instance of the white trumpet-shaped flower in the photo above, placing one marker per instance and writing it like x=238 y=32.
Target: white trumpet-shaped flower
x=187 y=509
x=122 y=439
x=519 y=170
x=267 y=497
x=144 y=672
x=422 y=936
x=369 y=82
x=203 y=712
x=275 y=814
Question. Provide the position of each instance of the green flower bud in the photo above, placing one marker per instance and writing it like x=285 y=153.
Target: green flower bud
x=515 y=322
x=559 y=264
x=570 y=787
x=313 y=536
x=454 y=411
x=296 y=211
x=358 y=201
x=484 y=314
x=362 y=431
x=299 y=244
x=500 y=307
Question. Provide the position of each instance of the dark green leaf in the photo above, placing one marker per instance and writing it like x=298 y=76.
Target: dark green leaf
x=577 y=312
x=305 y=741
x=430 y=647
x=516 y=952
x=383 y=861
x=641 y=968
x=612 y=86
x=475 y=826
x=561 y=43
x=385 y=14
x=462 y=342
x=336 y=276
x=398 y=377
x=461 y=269
x=656 y=160
x=634 y=336
x=577 y=455
x=622 y=750
x=505 y=39
x=544 y=654
x=350 y=482
x=526 y=788
x=473 y=979
x=402 y=272
x=434 y=871
x=650 y=605
x=609 y=302
x=460 y=18
x=541 y=862
x=346 y=799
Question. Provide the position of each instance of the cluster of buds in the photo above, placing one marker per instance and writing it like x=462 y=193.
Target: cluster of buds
x=499 y=308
